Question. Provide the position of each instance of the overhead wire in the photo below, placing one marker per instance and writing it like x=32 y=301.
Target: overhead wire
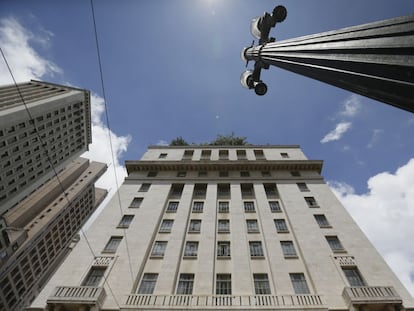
x=32 y=120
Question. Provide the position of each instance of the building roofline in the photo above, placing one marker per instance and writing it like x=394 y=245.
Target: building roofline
x=226 y=146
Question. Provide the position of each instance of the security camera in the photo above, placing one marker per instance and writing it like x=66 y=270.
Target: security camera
x=248 y=82
x=261 y=25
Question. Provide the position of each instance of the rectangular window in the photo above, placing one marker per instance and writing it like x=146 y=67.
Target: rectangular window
x=266 y=174
x=200 y=190
x=247 y=190
x=176 y=190
x=172 y=207
x=191 y=249
x=259 y=155
x=195 y=226
x=299 y=283
x=144 y=187
x=223 y=154
x=198 y=207
x=162 y=156
x=94 y=277
x=223 y=174
x=205 y=154
x=244 y=174
x=249 y=207
x=302 y=186
x=241 y=155
x=252 y=226
x=159 y=249
x=322 y=221
x=288 y=249
x=188 y=154
x=223 y=207
x=223 y=249
x=148 y=283
x=136 y=203
x=223 y=190
x=185 y=284
x=112 y=244
x=166 y=225
x=125 y=221
x=295 y=174
x=202 y=174
x=284 y=155
x=261 y=284
x=335 y=244
x=274 y=206
x=271 y=190
x=181 y=174
x=256 y=249
x=311 y=202
x=223 y=284
x=223 y=226
x=281 y=226
x=353 y=276
x=152 y=174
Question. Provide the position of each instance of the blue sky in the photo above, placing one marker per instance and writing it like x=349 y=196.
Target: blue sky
x=172 y=68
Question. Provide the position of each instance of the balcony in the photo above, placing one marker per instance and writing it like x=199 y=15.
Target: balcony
x=375 y=296
x=170 y=302
x=71 y=297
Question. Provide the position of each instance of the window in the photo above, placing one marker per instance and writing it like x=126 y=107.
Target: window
x=295 y=174
x=152 y=174
x=223 y=190
x=202 y=174
x=185 y=284
x=188 y=154
x=311 y=202
x=162 y=156
x=191 y=249
x=223 y=207
x=223 y=174
x=259 y=155
x=266 y=174
x=195 y=226
x=271 y=190
x=322 y=221
x=176 y=190
x=299 y=283
x=125 y=221
x=353 y=276
x=112 y=244
x=302 y=186
x=274 y=206
x=148 y=283
x=136 y=202
x=205 y=154
x=223 y=226
x=181 y=174
x=281 y=226
x=256 y=249
x=166 y=225
x=172 y=207
x=200 y=190
x=198 y=207
x=94 y=277
x=223 y=284
x=244 y=174
x=249 y=207
x=252 y=226
x=223 y=249
x=284 y=155
x=223 y=154
x=335 y=244
x=288 y=249
x=159 y=249
x=247 y=190
x=144 y=187
x=241 y=155
x=261 y=284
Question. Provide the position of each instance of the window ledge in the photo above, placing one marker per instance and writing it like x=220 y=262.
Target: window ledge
x=156 y=257
x=193 y=232
x=336 y=251
x=257 y=257
x=291 y=256
x=189 y=257
x=223 y=257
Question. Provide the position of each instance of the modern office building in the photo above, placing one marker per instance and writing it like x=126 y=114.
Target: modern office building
x=225 y=228
x=46 y=190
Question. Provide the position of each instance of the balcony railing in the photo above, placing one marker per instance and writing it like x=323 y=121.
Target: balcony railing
x=371 y=294
x=135 y=301
x=78 y=295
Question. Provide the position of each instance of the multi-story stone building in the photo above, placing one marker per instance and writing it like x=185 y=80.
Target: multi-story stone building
x=227 y=228
x=46 y=190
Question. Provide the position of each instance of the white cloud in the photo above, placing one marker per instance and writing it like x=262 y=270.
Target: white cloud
x=24 y=61
x=162 y=142
x=376 y=133
x=386 y=214
x=337 y=133
x=351 y=106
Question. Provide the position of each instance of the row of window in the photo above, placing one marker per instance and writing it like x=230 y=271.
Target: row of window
x=223 y=154
x=225 y=174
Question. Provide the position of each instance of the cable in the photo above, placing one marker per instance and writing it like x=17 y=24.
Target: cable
x=109 y=134
x=51 y=163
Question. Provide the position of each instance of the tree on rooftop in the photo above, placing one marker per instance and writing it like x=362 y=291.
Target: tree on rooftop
x=229 y=140
x=179 y=141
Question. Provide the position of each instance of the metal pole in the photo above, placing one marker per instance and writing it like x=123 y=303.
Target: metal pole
x=375 y=60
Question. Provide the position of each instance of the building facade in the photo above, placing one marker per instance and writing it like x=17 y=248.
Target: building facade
x=47 y=191
x=224 y=227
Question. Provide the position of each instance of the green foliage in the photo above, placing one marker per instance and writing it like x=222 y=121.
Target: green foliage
x=179 y=141
x=229 y=140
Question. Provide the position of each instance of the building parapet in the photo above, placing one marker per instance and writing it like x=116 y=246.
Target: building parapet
x=371 y=295
x=168 y=302
x=78 y=295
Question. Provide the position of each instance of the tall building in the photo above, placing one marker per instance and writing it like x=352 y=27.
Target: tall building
x=46 y=190
x=224 y=227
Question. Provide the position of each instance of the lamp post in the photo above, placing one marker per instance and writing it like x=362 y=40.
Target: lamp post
x=375 y=60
